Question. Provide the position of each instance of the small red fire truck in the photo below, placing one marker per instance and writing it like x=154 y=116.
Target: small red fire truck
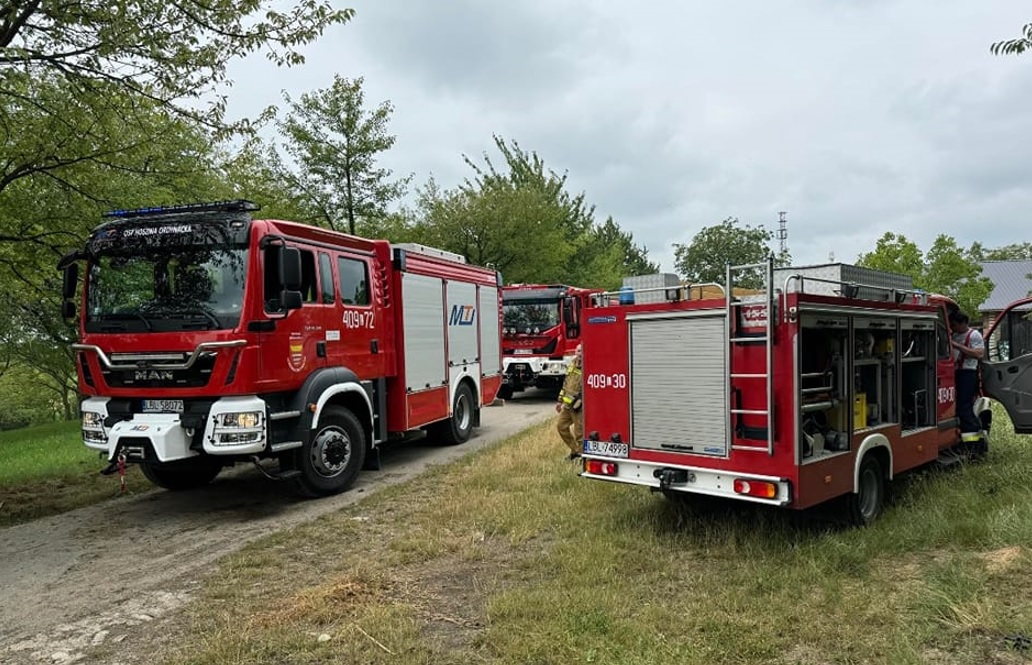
x=541 y=327
x=826 y=385
x=208 y=337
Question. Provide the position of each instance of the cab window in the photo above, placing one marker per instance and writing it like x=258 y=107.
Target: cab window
x=354 y=281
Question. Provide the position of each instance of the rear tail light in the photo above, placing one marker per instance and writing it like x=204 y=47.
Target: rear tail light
x=600 y=468
x=757 y=488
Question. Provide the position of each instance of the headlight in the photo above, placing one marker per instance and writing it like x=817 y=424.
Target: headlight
x=92 y=420
x=244 y=420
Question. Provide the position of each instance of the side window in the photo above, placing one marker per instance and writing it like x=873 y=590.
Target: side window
x=354 y=281
x=308 y=285
x=326 y=277
x=942 y=337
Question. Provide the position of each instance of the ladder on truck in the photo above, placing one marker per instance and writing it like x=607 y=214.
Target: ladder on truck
x=767 y=304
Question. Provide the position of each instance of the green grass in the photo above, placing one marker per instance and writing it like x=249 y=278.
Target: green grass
x=509 y=557
x=45 y=470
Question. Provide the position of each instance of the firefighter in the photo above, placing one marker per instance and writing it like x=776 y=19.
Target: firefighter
x=968 y=349
x=569 y=406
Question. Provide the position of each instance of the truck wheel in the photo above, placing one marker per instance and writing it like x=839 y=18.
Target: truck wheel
x=332 y=455
x=866 y=504
x=457 y=429
x=182 y=474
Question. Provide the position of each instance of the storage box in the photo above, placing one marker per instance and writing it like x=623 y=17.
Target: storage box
x=660 y=287
x=860 y=411
x=838 y=275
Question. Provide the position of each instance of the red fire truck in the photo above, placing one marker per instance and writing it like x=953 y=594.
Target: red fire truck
x=830 y=382
x=541 y=327
x=208 y=337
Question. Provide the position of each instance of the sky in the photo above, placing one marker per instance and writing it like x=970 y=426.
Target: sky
x=854 y=117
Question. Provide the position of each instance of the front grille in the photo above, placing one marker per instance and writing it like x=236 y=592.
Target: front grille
x=196 y=376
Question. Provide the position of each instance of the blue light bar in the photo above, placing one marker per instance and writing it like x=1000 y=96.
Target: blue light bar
x=237 y=205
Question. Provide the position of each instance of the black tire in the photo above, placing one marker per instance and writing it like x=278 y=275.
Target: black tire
x=458 y=428
x=182 y=474
x=866 y=504
x=332 y=455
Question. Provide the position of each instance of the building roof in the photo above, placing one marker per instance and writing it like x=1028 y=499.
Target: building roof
x=1010 y=282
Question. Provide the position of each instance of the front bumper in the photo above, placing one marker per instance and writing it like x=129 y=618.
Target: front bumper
x=162 y=437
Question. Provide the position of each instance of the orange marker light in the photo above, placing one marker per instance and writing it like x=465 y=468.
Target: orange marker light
x=757 y=488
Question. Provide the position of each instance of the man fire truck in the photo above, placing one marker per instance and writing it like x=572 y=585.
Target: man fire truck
x=827 y=385
x=208 y=337
x=541 y=327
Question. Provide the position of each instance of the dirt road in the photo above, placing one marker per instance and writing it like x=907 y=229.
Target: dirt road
x=78 y=582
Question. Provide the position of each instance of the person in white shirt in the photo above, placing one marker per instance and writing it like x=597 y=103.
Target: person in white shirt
x=968 y=350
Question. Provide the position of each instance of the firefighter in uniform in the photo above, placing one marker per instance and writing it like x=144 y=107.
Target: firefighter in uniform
x=569 y=406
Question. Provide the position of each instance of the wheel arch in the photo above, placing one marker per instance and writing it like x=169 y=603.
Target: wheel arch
x=878 y=446
x=336 y=386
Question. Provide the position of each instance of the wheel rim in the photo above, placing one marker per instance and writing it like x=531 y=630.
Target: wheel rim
x=331 y=451
x=868 y=494
x=463 y=412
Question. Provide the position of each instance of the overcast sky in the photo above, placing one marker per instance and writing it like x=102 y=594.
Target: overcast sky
x=856 y=117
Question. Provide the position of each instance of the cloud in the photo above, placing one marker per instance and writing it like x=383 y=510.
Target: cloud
x=855 y=118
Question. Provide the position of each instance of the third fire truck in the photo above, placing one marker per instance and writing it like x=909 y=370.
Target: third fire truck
x=826 y=385
x=541 y=328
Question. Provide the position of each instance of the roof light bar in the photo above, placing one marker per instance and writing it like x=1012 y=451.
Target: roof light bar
x=237 y=205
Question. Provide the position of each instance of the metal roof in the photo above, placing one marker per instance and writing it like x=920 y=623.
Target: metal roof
x=1010 y=280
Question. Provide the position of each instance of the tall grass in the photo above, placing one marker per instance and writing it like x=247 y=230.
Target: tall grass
x=509 y=557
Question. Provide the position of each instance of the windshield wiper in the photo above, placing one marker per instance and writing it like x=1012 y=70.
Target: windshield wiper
x=214 y=320
x=121 y=316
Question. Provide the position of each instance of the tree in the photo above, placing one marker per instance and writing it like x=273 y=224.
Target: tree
x=77 y=70
x=946 y=268
x=520 y=217
x=1020 y=251
x=335 y=142
x=706 y=257
x=1015 y=46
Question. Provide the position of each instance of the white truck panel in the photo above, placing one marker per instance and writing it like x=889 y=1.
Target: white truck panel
x=462 y=324
x=423 y=322
x=679 y=389
x=490 y=332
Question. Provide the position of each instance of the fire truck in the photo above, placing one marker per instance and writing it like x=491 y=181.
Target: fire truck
x=541 y=327
x=826 y=384
x=209 y=337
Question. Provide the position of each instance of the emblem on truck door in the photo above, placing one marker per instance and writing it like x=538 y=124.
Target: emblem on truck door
x=462 y=315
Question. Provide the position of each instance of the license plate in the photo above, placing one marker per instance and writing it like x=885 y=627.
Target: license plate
x=522 y=352
x=162 y=406
x=606 y=448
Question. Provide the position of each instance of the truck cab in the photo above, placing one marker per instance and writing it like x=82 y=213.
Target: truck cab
x=541 y=326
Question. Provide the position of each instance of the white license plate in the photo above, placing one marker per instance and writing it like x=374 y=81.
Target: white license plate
x=522 y=352
x=162 y=406
x=606 y=448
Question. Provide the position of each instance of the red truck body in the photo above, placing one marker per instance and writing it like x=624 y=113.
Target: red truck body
x=541 y=328
x=791 y=398
x=208 y=337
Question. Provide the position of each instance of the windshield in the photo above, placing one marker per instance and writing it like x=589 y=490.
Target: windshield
x=530 y=316
x=166 y=289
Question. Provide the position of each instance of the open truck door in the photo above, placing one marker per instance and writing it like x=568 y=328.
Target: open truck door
x=1007 y=366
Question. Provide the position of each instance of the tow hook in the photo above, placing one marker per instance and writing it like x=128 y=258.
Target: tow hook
x=668 y=477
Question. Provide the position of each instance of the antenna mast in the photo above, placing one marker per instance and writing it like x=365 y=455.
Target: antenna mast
x=782 y=234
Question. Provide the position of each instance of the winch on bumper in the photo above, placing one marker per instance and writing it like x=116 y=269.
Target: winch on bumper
x=233 y=426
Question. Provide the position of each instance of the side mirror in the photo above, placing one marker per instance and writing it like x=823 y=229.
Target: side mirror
x=67 y=310
x=70 y=281
x=571 y=316
x=290 y=299
x=290 y=268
